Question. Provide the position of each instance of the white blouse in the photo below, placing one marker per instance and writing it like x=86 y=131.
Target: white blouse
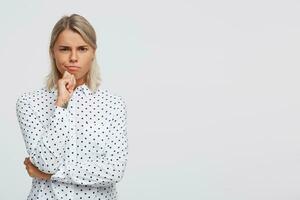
x=84 y=146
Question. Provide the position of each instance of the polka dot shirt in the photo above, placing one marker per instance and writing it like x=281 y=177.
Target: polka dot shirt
x=84 y=146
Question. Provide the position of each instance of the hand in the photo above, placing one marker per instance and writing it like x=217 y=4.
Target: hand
x=66 y=87
x=34 y=172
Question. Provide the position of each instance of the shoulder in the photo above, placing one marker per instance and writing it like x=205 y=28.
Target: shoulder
x=114 y=99
x=28 y=96
x=112 y=96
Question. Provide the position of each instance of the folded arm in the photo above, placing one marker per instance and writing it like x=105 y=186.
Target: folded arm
x=45 y=145
x=108 y=170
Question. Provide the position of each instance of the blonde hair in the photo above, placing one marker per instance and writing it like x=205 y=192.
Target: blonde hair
x=81 y=26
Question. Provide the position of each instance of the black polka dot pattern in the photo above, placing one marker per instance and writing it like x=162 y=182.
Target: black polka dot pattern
x=84 y=146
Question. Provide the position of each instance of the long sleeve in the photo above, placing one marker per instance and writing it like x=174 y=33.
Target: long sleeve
x=110 y=169
x=44 y=144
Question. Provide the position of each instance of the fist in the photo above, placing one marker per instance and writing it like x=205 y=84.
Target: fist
x=66 y=87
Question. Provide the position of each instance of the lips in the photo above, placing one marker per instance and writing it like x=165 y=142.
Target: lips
x=72 y=68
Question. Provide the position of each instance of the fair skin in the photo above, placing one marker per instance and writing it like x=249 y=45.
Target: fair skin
x=73 y=58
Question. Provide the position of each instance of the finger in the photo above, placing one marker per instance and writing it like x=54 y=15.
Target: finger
x=65 y=81
x=71 y=84
x=29 y=170
x=66 y=74
x=74 y=79
x=71 y=79
x=29 y=164
x=68 y=85
x=26 y=161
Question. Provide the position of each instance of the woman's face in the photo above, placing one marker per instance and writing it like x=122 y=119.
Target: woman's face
x=73 y=54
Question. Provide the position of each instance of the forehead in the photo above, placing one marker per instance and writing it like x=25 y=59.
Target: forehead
x=70 y=38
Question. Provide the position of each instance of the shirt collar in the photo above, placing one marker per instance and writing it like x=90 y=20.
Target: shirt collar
x=85 y=89
x=82 y=88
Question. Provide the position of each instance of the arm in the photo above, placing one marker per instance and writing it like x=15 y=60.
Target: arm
x=44 y=144
x=111 y=168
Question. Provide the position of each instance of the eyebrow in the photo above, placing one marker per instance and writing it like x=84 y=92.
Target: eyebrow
x=69 y=46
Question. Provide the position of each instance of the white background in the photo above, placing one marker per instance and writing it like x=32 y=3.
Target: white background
x=212 y=92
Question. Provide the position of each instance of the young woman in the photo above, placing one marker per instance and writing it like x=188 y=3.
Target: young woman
x=75 y=132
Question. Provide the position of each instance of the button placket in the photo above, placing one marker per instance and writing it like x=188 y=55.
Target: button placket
x=72 y=142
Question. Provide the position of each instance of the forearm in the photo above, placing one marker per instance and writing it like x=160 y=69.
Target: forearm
x=50 y=149
x=45 y=144
x=94 y=174
x=110 y=168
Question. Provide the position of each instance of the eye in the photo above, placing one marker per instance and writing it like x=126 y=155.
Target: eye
x=63 y=49
x=83 y=49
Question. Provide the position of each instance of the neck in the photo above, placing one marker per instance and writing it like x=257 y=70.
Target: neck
x=79 y=82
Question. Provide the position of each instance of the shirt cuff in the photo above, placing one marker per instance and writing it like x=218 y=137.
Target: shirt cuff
x=60 y=174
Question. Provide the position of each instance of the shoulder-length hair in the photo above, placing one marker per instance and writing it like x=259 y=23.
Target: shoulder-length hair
x=81 y=26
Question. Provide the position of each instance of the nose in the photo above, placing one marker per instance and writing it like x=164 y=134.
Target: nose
x=73 y=57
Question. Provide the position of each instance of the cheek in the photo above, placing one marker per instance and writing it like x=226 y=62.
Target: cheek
x=60 y=67
x=84 y=70
x=60 y=62
x=87 y=63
